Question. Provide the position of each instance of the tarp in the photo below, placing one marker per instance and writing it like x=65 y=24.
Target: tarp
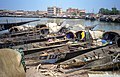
x=10 y=63
x=76 y=27
x=96 y=34
x=53 y=27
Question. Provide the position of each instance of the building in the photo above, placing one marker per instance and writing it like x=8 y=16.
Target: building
x=41 y=13
x=54 y=11
x=74 y=11
x=82 y=12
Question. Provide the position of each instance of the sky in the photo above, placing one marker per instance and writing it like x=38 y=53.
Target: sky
x=88 y=5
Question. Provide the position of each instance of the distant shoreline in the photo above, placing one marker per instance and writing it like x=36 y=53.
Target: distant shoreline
x=105 y=19
x=22 y=16
x=43 y=17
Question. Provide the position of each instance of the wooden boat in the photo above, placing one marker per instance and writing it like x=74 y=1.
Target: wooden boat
x=25 y=37
x=73 y=64
x=18 y=31
x=81 y=51
x=74 y=50
x=38 y=47
x=48 y=56
x=110 y=62
x=6 y=26
x=88 y=57
x=61 y=53
x=112 y=36
x=21 y=41
x=40 y=29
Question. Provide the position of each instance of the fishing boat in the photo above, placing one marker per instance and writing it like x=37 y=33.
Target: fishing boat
x=18 y=31
x=107 y=63
x=5 y=26
x=112 y=36
x=39 y=46
x=89 y=57
x=110 y=62
x=67 y=51
x=74 y=49
x=6 y=42
x=37 y=34
x=48 y=56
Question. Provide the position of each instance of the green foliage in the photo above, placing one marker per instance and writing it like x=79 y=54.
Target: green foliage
x=74 y=14
x=113 y=11
x=80 y=14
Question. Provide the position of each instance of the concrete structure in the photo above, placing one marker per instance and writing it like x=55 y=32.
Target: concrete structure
x=54 y=11
x=74 y=11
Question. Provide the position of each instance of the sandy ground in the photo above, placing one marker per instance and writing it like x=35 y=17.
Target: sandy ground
x=51 y=71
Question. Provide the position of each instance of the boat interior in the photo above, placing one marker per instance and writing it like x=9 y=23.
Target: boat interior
x=118 y=42
x=110 y=36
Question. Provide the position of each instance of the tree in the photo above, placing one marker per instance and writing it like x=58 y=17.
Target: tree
x=114 y=11
x=102 y=10
x=107 y=11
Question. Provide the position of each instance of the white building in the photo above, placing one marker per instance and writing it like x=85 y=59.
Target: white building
x=54 y=11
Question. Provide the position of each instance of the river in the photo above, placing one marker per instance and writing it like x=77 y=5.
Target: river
x=107 y=26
